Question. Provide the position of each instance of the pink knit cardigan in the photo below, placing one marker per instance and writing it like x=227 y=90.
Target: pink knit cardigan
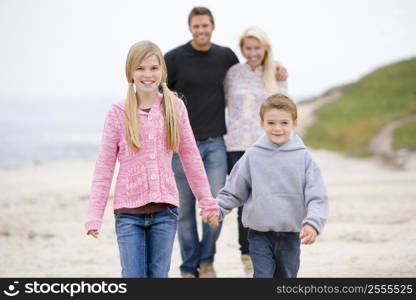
x=145 y=175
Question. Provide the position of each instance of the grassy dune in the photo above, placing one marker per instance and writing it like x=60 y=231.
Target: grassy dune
x=348 y=124
x=405 y=137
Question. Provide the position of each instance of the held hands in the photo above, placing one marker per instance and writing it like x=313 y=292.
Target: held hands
x=93 y=232
x=212 y=220
x=308 y=234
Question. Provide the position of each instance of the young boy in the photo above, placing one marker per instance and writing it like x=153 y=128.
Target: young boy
x=282 y=190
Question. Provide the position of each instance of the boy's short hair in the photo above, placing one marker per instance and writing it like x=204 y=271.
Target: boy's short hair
x=279 y=101
x=200 y=11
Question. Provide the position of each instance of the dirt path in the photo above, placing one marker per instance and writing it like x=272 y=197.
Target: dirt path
x=382 y=144
x=306 y=116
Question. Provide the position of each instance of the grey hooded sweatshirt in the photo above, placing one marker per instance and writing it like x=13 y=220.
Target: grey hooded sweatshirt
x=281 y=188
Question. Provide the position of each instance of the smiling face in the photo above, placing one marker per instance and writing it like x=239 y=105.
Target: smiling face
x=278 y=124
x=254 y=51
x=201 y=28
x=148 y=75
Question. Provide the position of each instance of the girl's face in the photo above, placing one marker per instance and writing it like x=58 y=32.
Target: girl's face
x=148 y=75
x=253 y=51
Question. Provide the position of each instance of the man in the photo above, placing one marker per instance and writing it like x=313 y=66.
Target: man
x=196 y=70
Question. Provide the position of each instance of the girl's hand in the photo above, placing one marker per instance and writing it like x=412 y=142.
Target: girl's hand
x=212 y=219
x=93 y=232
x=308 y=234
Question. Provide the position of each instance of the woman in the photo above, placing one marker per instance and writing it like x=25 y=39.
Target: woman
x=246 y=86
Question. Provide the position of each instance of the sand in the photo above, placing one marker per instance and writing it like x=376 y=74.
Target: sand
x=370 y=232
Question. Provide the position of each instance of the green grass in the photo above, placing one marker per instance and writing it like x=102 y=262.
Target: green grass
x=348 y=124
x=405 y=137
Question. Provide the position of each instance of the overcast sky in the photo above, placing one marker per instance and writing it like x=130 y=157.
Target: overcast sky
x=76 y=49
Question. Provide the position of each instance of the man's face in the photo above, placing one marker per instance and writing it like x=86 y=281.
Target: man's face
x=201 y=29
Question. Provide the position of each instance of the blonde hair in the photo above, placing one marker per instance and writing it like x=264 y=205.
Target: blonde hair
x=268 y=62
x=279 y=101
x=137 y=53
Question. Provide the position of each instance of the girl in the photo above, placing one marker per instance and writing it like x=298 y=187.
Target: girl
x=246 y=86
x=142 y=132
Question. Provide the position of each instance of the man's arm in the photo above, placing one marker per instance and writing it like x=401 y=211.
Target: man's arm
x=171 y=69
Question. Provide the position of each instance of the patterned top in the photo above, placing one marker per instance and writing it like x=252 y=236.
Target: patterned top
x=244 y=93
x=145 y=175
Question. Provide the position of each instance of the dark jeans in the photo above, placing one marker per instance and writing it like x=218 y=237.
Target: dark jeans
x=274 y=254
x=193 y=251
x=232 y=158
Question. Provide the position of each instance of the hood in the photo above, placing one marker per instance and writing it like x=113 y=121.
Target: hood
x=295 y=143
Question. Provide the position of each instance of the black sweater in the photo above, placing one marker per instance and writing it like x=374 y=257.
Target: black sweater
x=197 y=76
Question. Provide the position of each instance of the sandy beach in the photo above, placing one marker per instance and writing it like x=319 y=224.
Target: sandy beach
x=370 y=232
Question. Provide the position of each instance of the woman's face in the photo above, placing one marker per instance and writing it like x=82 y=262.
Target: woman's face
x=148 y=75
x=253 y=51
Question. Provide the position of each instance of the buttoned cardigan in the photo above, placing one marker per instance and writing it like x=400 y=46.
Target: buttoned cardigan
x=145 y=175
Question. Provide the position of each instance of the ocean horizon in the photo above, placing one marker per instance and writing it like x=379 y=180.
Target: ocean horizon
x=36 y=132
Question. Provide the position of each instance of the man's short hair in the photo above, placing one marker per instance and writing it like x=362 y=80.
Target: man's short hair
x=200 y=11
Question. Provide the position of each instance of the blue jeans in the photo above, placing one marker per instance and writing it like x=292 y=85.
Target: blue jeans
x=233 y=157
x=145 y=242
x=193 y=251
x=274 y=254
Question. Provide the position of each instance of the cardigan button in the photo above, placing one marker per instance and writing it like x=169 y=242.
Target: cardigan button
x=153 y=177
x=152 y=156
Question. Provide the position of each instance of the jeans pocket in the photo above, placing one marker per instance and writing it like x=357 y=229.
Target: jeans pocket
x=118 y=216
x=173 y=211
x=251 y=233
x=294 y=239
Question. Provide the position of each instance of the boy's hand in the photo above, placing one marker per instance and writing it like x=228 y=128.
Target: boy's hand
x=93 y=232
x=308 y=234
x=212 y=220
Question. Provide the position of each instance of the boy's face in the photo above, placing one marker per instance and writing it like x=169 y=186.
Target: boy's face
x=278 y=125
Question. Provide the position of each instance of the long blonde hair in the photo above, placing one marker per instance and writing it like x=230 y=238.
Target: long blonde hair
x=138 y=52
x=268 y=62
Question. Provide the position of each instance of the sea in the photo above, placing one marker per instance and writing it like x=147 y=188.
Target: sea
x=37 y=132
